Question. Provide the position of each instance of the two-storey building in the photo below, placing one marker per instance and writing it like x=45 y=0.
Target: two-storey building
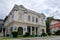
x=24 y=20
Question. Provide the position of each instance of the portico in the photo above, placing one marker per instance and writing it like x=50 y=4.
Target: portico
x=30 y=29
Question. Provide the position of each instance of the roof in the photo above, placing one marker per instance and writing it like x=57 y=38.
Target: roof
x=54 y=21
x=5 y=18
x=28 y=10
x=56 y=25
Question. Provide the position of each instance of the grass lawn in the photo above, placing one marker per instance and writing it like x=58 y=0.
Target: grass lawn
x=8 y=38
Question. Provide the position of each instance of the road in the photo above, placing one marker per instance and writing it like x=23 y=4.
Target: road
x=42 y=38
x=35 y=38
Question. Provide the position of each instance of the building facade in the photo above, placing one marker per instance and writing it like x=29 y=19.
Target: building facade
x=54 y=26
x=1 y=27
x=24 y=20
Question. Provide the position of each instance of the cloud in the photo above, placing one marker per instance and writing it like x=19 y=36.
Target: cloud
x=54 y=5
x=7 y=5
x=48 y=7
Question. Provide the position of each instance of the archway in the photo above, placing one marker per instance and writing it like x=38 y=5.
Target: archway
x=20 y=31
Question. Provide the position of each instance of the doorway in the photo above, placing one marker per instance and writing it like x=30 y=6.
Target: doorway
x=20 y=31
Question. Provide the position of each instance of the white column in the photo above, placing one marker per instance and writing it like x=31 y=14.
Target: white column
x=2 y=30
x=9 y=30
x=38 y=30
x=1 y=34
x=5 y=31
x=24 y=30
x=30 y=30
x=35 y=30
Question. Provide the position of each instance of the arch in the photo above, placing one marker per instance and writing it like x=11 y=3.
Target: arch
x=20 y=31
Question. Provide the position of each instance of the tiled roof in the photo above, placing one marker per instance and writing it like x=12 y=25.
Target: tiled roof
x=56 y=25
x=54 y=21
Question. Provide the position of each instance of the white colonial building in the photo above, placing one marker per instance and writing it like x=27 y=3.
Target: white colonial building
x=24 y=20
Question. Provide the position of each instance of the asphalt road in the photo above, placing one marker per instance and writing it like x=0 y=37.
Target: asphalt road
x=42 y=38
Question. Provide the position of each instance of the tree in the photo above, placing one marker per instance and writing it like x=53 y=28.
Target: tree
x=48 y=21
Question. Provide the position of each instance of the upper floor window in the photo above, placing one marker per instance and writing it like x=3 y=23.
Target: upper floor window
x=28 y=18
x=21 y=16
x=36 y=19
x=38 y=16
x=32 y=19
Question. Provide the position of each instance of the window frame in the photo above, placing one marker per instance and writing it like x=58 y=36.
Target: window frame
x=28 y=17
x=33 y=19
x=36 y=20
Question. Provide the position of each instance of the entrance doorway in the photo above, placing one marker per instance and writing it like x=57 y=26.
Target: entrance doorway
x=20 y=31
x=28 y=29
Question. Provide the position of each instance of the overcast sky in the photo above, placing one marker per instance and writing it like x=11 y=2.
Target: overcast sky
x=48 y=7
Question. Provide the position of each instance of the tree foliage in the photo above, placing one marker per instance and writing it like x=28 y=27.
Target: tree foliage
x=48 y=21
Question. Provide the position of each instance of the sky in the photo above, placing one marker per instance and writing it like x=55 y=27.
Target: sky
x=48 y=7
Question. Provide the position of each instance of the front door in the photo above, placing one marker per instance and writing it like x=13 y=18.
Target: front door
x=20 y=31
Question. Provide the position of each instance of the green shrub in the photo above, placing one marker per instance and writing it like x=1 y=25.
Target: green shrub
x=36 y=35
x=49 y=34
x=14 y=34
x=43 y=33
x=32 y=35
x=57 y=32
x=26 y=34
x=7 y=35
